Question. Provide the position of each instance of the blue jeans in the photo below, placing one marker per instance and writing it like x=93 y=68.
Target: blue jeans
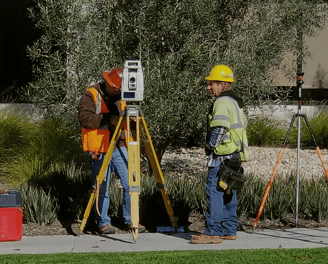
x=118 y=164
x=221 y=216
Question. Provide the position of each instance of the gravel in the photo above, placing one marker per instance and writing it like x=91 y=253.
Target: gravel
x=191 y=161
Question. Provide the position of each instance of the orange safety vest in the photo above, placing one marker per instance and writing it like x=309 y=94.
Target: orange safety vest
x=96 y=139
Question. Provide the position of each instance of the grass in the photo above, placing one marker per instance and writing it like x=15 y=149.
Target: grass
x=315 y=255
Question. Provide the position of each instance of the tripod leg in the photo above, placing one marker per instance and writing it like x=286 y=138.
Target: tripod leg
x=322 y=161
x=273 y=175
x=134 y=177
x=267 y=190
x=317 y=147
x=102 y=171
x=158 y=174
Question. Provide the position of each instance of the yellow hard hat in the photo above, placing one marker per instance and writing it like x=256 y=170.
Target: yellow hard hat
x=221 y=73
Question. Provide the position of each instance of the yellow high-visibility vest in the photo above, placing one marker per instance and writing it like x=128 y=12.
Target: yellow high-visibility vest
x=226 y=113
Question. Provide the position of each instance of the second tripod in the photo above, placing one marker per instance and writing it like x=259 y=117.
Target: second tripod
x=299 y=116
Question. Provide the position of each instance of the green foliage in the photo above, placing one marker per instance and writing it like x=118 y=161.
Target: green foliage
x=318 y=206
x=187 y=195
x=178 y=43
x=116 y=197
x=250 y=196
x=68 y=186
x=16 y=133
x=52 y=141
x=39 y=206
x=319 y=126
x=262 y=131
x=280 y=199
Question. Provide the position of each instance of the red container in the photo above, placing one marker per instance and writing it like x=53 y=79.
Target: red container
x=11 y=216
x=11 y=223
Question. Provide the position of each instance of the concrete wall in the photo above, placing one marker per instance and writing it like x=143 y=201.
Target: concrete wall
x=285 y=112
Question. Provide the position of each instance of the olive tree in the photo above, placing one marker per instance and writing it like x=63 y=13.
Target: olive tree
x=178 y=42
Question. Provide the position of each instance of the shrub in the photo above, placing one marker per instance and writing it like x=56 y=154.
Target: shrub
x=186 y=194
x=280 y=199
x=16 y=133
x=263 y=131
x=69 y=186
x=250 y=196
x=318 y=205
x=39 y=207
x=54 y=141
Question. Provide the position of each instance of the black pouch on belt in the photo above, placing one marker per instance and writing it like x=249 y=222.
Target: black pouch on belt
x=231 y=175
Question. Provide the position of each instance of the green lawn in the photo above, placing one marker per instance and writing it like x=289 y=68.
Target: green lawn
x=316 y=255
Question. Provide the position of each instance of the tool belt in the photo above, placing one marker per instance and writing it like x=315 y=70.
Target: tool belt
x=231 y=175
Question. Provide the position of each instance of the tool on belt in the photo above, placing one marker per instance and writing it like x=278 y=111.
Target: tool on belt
x=231 y=175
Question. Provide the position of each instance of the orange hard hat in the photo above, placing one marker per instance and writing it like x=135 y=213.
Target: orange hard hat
x=114 y=77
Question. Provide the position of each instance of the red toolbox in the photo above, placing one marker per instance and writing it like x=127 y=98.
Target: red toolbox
x=11 y=216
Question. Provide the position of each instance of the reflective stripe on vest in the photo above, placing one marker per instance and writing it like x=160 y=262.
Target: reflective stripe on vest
x=96 y=140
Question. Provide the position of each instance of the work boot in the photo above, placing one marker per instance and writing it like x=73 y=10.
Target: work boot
x=107 y=229
x=229 y=237
x=205 y=239
x=141 y=228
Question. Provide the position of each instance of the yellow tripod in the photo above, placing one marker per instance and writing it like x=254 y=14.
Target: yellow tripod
x=133 y=148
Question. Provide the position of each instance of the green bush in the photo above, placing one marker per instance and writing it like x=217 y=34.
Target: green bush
x=250 y=196
x=318 y=202
x=16 y=134
x=187 y=195
x=116 y=197
x=262 y=131
x=54 y=142
x=69 y=186
x=280 y=199
x=39 y=207
x=319 y=127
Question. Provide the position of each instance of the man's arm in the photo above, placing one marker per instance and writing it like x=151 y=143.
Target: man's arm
x=87 y=113
x=215 y=139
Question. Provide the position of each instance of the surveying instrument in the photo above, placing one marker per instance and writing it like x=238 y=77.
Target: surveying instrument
x=300 y=84
x=132 y=89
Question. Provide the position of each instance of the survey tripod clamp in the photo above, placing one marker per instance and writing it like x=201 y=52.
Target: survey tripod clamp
x=300 y=84
x=133 y=112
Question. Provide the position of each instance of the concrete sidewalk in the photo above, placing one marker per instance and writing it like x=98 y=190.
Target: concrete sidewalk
x=287 y=238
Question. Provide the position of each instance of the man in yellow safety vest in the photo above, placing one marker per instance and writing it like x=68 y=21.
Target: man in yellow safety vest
x=226 y=141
